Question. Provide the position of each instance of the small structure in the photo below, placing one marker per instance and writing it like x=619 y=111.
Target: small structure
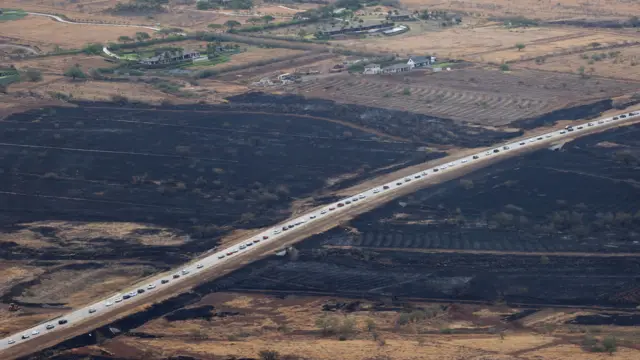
x=170 y=57
x=396 y=30
x=396 y=68
x=337 y=68
x=372 y=69
x=401 y=17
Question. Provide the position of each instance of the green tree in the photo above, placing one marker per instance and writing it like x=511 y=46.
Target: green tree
x=74 y=72
x=520 y=46
x=93 y=49
x=610 y=344
x=581 y=71
x=141 y=36
x=267 y=19
x=504 y=67
x=215 y=26
x=230 y=24
x=124 y=39
x=302 y=33
x=254 y=20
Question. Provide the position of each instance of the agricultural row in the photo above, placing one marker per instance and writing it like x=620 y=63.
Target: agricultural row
x=472 y=95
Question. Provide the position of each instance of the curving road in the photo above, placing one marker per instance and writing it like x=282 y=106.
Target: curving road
x=25 y=48
x=59 y=19
x=268 y=236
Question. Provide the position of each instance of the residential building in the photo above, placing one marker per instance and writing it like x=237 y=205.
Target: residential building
x=396 y=30
x=170 y=57
x=372 y=69
x=396 y=68
x=401 y=17
x=419 y=61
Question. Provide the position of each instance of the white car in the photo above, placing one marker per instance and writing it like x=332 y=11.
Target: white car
x=108 y=303
x=362 y=196
x=323 y=212
x=375 y=191
x=133 y=293
x=242 y=247
x=35 y=332
x=118 y=300
x=464 y=161
x=199 y=266
x=185 y=271
x=221 y=256
x=151 y=286
x=276 y=232
x=11 y=341
x=443 y=167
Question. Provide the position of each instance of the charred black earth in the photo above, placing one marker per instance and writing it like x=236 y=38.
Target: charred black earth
x=522 y=231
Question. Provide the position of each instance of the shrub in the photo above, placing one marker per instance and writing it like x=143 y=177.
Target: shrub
x=33 y=75
x=74 y=72
x=93 y=49
x=504 y=67
x=269 y=355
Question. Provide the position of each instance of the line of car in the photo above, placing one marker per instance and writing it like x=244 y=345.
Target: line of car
x=300 y=221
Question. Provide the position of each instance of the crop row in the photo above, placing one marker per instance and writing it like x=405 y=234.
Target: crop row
x=432 y=99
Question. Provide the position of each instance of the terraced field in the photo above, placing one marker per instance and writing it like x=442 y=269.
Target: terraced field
x=471 y=95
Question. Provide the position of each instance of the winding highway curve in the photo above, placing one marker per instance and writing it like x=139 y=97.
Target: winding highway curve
x=216 y=260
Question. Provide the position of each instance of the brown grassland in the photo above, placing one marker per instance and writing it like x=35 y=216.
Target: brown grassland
x=535 y=9
x=290 y=327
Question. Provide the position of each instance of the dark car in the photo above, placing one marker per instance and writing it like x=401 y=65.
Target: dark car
x=436 y=170
x=140 y=291
x=164 y=281
x=496 y=150
x=475 y=157
x=385 y=187
x=623 y=116
x=398 y=183
x=176 y=276
x=62 y=321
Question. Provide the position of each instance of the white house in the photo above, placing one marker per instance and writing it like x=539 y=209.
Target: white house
x=419 y=61
x=396 y=68
x=372 y=69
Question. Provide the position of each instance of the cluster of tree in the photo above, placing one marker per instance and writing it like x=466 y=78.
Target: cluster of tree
x=344 y=327
x=140 y=6
x=609 y=344
x=440 y=15
x=216 y=49
x=218 y=4
x=518 y=21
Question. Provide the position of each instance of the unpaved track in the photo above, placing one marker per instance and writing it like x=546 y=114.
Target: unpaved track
x=293 y=236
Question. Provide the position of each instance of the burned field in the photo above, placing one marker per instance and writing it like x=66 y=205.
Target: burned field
x=469 y=95
x=547 y=228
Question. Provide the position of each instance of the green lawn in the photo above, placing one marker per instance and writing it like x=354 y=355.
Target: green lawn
x=205 y=63
x=9 y=14
x=441 y=65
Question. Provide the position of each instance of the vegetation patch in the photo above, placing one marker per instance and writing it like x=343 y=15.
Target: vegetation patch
x=12 y=14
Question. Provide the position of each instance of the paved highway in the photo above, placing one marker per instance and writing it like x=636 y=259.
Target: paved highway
x=269 y=235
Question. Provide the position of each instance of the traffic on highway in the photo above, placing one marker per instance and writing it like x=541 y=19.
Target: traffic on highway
x=275 y=232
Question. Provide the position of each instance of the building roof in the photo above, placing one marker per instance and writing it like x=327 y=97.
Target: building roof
x=419 y=59
x=397 y=66
x=370 y=66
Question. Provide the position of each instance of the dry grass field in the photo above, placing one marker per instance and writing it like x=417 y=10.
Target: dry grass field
x=47 y=33
x=290 y=327
x=561 y=9
x=625 y=65
x=492 y=43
